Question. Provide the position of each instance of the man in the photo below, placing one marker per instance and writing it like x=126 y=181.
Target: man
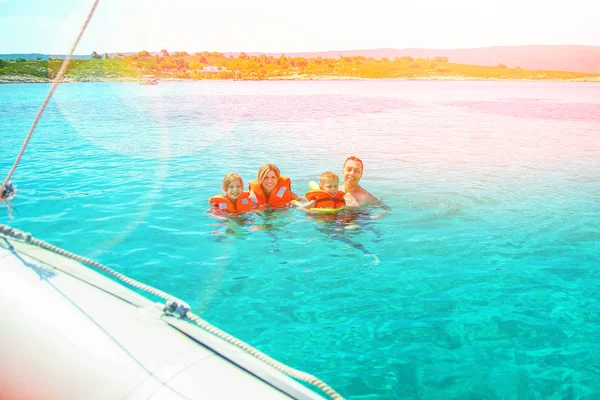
x=355 y=195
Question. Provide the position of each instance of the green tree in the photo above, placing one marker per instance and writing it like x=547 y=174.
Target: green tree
x=168 y=65
x=181 y=64
x=106 y=56
x=300 y=62
x=96 y=56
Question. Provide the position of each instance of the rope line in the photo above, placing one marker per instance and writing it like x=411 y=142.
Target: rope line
x=177 y=306
x=59 y=76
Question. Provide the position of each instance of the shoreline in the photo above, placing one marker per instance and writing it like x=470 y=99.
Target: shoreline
x=32 y=79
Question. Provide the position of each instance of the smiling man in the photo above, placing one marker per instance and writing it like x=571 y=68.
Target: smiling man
x=355 y=195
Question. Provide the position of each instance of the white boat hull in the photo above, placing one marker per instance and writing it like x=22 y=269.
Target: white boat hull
x=71 y=333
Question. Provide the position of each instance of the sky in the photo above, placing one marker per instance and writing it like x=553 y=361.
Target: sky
x=50 y=27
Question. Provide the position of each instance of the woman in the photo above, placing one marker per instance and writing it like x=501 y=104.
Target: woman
x=271 y=188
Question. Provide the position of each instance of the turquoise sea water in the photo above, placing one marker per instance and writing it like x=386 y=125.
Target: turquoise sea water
x=481 y=282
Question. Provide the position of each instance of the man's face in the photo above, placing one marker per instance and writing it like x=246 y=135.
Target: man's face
x=352 y=172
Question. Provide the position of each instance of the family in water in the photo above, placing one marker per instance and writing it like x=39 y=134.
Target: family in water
x=275 y=190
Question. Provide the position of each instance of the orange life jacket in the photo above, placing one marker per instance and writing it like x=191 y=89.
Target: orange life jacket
x=324 y=199
x=280 y=196
x=242 y=203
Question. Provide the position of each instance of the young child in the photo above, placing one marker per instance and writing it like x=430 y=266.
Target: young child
x=235 y=200
x=328 y=195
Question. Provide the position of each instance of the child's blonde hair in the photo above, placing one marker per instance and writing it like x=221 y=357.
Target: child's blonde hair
x=328 y=176
x=264 y=170
x=230 y=177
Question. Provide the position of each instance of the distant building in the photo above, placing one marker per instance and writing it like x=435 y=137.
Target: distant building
x=212 y=68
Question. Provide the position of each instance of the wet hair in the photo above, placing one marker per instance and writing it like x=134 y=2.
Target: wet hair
x=230 y=177
x=328 y=176
x=264 y=170
x=353 y=158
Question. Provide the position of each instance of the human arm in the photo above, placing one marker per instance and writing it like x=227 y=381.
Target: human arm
x=308 y=205
x=297 y=198
x=364 y=197
x=358 y=197
x=383 y=210
x=217 y=213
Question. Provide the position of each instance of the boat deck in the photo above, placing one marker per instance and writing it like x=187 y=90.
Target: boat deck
x=70 y=332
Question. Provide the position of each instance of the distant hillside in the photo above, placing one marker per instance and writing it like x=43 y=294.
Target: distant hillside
x=207 y=65
x=534 y=57
x=34 y=56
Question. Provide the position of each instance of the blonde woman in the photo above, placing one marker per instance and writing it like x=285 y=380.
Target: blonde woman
x=271 y=188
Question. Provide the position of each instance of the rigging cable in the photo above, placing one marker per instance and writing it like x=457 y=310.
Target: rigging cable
x=59 y=76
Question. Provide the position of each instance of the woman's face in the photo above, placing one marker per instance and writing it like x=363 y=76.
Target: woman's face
x=270 y=181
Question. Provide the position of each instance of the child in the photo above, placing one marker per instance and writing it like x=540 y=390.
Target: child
x=235 y=200
x=328 y=195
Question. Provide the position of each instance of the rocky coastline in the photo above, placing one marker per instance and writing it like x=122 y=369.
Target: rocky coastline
x=7 y=79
